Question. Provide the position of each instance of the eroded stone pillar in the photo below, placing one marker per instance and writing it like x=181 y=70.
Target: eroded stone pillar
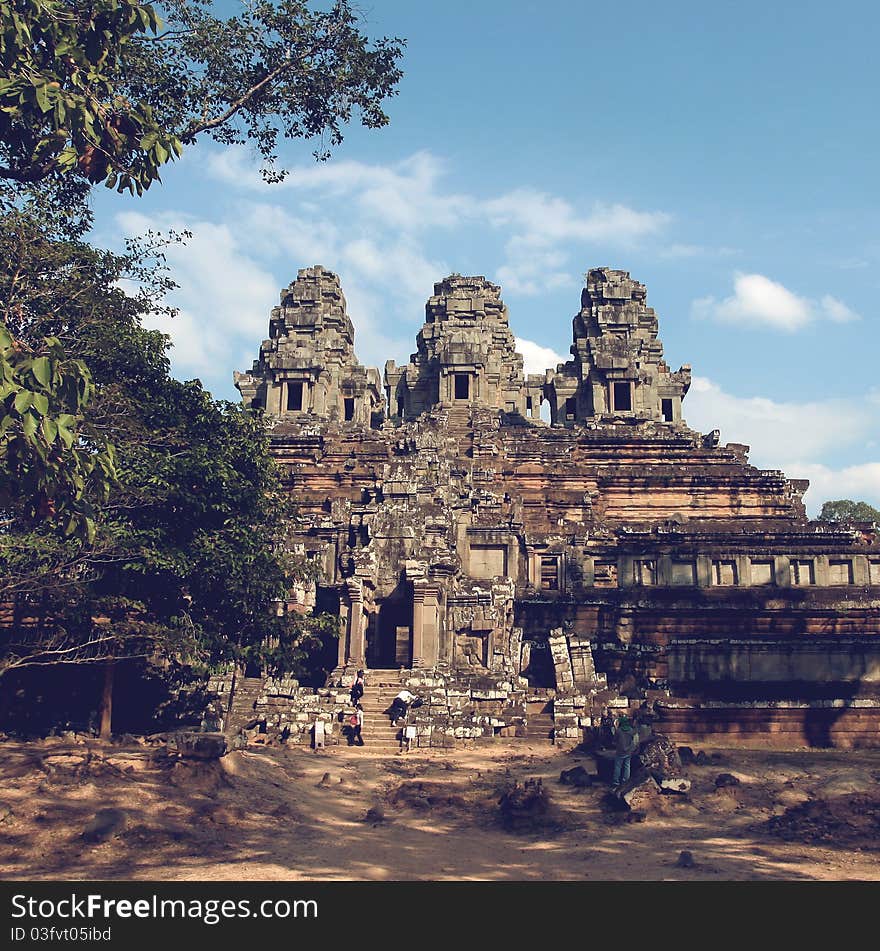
x=343 y=638
x=274 y=396
x=426 y=632
x=356 y=634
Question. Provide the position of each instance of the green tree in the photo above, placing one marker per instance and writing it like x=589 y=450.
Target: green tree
x=106 y=91
x=49 y=460
x=103 y=90
x=846 y=510
x=189 y=544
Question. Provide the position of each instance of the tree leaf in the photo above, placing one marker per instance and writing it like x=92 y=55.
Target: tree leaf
x=42 y=370
x=29 y=425
x=23 y=401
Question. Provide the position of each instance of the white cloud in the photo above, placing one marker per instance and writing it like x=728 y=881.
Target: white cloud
x=541 y=219
x=779 y=431
x=536 y=358
x=837 y=312
x=222 y=296
x=795 y=437
x=404 y=195
x=677 y=251
x=403 y=202
x=859 y=482
x=758 y=301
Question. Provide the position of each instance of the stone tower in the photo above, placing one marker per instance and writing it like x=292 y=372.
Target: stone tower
x=308 y=365
x=466 y=354
x=618 y=368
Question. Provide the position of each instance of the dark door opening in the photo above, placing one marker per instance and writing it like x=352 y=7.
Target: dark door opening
x=666 y=406
x=622 y=396
x=294 y=397
x=389 y=638
x=462 y=386
x=349 y=410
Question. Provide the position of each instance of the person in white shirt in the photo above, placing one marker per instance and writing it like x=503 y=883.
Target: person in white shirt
x=400 y=705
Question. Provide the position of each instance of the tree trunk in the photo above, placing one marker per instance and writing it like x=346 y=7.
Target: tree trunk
x=107 y=700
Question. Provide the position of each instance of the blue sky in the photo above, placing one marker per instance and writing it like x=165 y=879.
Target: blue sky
x=724 y=154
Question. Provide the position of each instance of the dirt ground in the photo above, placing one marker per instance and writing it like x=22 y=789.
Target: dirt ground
x=348 y=814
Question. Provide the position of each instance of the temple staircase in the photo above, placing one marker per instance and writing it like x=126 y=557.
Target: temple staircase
x=245 y=695
x=382 y=686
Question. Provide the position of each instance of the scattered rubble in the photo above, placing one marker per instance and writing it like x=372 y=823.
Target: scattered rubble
x=105 y=824
x=524 y=807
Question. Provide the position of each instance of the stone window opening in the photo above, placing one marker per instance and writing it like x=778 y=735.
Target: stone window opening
x=840 y=571
x=462 y=386
x=803 y=572
x=529 y=407
x=349 y=409
x=645 y=572
x=570 y=408
x=294 y=397
x=622 y=395
x=724 y=572
x=666 y=408
x=605 y=574
x=549 y=572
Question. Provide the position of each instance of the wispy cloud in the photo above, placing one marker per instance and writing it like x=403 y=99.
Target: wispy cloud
x=796 y=437
x=758 y=301
x=222 y=295
x=677 y=251
x=400 y=205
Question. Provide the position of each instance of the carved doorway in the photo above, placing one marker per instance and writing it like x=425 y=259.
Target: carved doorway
x=389 y=635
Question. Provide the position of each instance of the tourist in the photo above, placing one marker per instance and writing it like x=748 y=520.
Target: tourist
x=644 y=721
x=358 y=724
x=626 y=742
x=400 y=705
x=357 y=688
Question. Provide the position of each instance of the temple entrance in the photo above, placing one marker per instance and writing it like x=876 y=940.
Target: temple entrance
x=462 y=386
x=389 y=633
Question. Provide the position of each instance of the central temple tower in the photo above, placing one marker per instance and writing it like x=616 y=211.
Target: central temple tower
x=466 y=354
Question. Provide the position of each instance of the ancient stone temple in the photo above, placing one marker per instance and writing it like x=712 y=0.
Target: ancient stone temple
x=609 y=556
x=307 y=366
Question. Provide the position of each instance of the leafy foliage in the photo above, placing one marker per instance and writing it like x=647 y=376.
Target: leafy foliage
x=138 y=516
x=846 y=510
x=188 y=543
x=106 y=91
x=47 y=460
x=61 y=109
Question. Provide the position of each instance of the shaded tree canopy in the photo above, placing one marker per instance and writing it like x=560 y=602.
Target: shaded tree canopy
x=110 y=90
x=187 y=545
x=846 y=510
